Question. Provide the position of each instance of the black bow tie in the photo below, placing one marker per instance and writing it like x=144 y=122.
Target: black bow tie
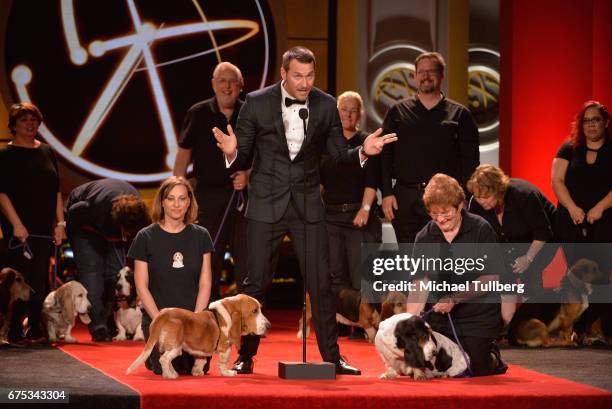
x=289 y=102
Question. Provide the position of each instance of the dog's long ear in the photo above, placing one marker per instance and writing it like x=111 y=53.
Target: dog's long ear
x=386 y=310
x=236 y=329
x=407 y=339
x=443 y=360
x=7 y=278
x=65 y=302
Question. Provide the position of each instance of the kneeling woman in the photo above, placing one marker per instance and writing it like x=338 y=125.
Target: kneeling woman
x=456 y=235
x=172 y=261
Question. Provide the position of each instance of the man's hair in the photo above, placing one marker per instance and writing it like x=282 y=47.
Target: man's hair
x=16 y=111
x=130 y=213
x=299 y=53
x=157 y=213
x=437 y=57
x=227 y=64
x=577 y=137
x=488 y=180
x=443 y=190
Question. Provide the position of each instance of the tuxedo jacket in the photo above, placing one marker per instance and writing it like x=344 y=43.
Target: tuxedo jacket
x=262 y=146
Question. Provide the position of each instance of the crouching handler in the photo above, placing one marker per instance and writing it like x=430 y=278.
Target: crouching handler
x=172 y=262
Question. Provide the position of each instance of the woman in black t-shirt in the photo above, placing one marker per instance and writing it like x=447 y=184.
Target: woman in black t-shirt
x=522 y=218
x=31 y=216
x=172 y=261
x=582 y=181
x=458 y=235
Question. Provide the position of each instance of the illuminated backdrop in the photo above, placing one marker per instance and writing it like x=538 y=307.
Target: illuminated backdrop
x=115 y=78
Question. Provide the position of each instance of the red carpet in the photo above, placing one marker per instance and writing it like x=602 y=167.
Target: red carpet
x=518 y=389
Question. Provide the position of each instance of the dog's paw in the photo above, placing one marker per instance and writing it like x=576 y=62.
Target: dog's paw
x=387 y=375
x=172 y=374
x=70 y=339
x=197 y=372
x=120 y=337
x=229 y=372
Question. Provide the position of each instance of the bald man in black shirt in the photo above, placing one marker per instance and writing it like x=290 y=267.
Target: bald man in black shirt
x=216 y=186
x=435 y=134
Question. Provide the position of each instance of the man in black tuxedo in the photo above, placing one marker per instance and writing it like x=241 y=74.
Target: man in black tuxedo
x=284 y=194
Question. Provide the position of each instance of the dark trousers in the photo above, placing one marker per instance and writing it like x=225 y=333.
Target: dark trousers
x=485 y=358
x=411 y=216
x=98 y=262
x=231 y=232
x=263 y=240
x=345 y=249
x=36 y=273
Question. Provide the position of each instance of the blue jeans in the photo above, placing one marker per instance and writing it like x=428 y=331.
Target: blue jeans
x=98 y=262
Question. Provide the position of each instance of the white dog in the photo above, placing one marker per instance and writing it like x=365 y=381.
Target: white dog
x=61 y=308
x=128 y=316
x=408 y=346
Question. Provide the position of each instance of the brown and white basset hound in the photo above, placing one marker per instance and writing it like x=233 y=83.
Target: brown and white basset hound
x=12 y=288
x=203 y=333
x=353 y=312
x=61 y=308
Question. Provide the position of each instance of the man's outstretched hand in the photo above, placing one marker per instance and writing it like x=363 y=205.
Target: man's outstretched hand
x=374 y=143
x=226 y=142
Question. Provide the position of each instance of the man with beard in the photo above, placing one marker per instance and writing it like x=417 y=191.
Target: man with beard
x=220 y=194
x=435 y=135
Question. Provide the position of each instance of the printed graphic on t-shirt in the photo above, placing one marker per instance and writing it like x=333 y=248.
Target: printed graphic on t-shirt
x=177 y=260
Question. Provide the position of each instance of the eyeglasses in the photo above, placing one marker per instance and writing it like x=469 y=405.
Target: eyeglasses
x=422 y=73
x=445 y=215
x=593 y=120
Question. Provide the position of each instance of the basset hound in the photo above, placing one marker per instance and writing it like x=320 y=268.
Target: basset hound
x=353 y=312
x=12 y=288
x=61 y=308
x=408 y=346
x=128 y=315
x=203 y=333
x=548 y=319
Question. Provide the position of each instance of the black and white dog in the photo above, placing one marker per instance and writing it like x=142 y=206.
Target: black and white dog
x=408 y=346
x=128 y=315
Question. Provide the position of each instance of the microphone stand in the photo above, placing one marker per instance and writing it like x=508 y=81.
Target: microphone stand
x=305 y=370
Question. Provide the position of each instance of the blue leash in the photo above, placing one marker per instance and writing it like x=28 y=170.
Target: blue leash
x=426 y=314
x=29 y=254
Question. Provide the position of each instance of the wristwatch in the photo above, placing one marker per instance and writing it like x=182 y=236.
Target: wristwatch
x=366 y=207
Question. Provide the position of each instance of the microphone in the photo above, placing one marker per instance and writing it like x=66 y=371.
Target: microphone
x=303 y=113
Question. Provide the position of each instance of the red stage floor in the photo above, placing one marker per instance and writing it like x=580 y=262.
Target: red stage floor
x=519 y=388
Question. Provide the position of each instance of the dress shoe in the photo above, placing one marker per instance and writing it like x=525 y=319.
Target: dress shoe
x=342 y=368
x=243 y=365
x=101 y=335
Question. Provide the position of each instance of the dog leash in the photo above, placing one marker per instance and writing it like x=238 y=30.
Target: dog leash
x=426 y=314
x=465 y=355
x=239 y=206
x=29 y=254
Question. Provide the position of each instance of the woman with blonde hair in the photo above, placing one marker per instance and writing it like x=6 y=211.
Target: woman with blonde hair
x=172 y=261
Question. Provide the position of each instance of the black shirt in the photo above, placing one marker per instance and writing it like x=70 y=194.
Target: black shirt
x=528 y=214
x=345 y=183
x=90 y=205
x=174 y=263
x=208 y=161
x=442 y=139
x=480 y=316
x=587 y=184
x=30 y=179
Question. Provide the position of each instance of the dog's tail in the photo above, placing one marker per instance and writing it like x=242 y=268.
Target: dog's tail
x=151 y=342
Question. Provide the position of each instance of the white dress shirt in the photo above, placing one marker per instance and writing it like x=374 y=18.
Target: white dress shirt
x=292 y=123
